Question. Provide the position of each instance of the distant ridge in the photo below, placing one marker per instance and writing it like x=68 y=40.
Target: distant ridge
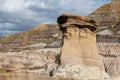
x=108 y=17
x=42 y=33
x=115 y=0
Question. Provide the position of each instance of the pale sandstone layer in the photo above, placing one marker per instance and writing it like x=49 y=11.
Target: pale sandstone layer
x=41 y=60
x=79 y=55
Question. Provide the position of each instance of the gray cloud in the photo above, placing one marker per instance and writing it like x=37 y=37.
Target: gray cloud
x=20 y=15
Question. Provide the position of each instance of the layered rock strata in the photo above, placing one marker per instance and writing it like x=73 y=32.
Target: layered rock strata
x=41 y=60
x=108 y=36
x=79 y=55
x=109 y=50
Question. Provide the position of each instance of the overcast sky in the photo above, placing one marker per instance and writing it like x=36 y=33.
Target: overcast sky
x=20 y=15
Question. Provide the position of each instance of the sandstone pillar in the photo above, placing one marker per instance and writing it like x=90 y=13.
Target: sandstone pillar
x=79 y=57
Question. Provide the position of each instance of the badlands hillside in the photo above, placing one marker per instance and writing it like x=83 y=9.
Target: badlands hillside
x=69 y=48
x=43 y=35
x=107 y=18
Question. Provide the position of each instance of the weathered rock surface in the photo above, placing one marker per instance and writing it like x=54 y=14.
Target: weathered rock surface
x=67 y=20
x=108 y=36
x=40 y=60
x=79 y=56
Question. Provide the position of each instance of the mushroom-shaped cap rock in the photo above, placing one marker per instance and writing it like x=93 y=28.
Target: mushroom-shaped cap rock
x=67 y=20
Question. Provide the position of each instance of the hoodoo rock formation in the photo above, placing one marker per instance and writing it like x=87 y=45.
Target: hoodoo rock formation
x=79 y=55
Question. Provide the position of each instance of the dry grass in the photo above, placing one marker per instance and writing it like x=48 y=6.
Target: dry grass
x=8 y=38
x=37 y=32
x=110 y=8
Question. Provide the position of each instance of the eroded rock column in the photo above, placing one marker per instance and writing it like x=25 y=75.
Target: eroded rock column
x=79 y=57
